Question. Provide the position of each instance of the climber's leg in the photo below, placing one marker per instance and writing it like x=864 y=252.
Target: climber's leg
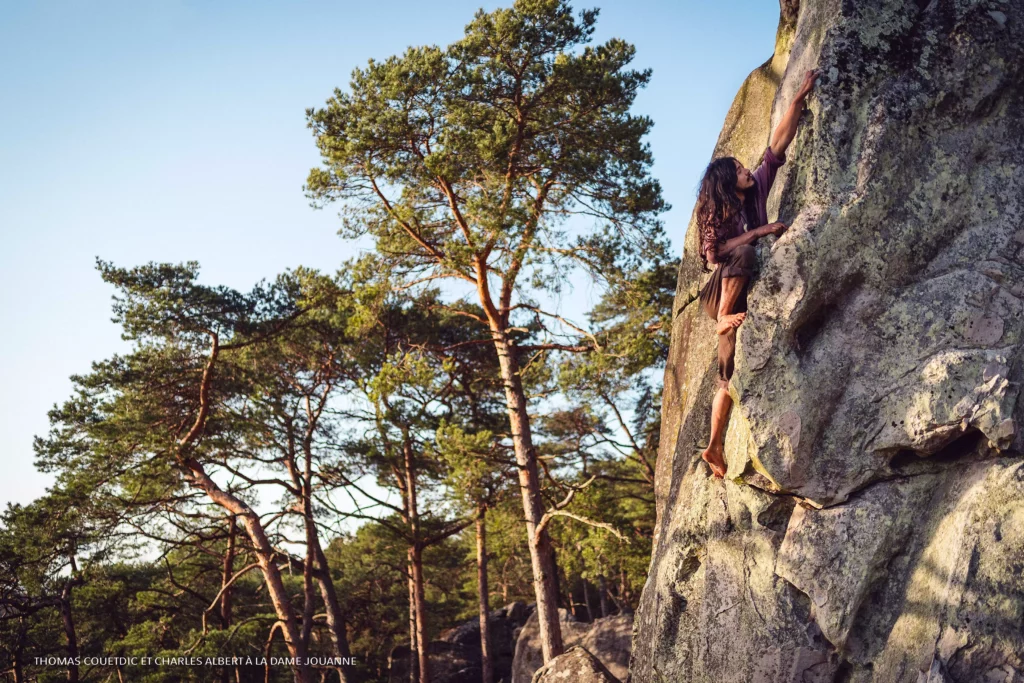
x=732 y=287
x=736 y=275
x=711 y=295
x=714 y=454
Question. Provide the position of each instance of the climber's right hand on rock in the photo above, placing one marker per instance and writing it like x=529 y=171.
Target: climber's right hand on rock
x=775 y=229
x=808 y=83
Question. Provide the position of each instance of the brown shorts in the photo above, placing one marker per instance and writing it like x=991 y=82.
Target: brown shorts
x=740 y=263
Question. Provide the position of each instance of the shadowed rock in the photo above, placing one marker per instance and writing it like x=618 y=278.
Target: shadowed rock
x=455 y=655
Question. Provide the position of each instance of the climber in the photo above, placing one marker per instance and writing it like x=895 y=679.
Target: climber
x=732 y=214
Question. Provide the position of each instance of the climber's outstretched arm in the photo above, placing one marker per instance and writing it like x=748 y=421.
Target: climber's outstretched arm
x=786 y=130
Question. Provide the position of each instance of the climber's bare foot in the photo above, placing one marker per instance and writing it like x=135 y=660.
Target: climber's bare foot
x=727 y=322
x=714 y=458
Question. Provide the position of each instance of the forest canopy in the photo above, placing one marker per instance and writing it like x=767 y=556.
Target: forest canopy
x=336 y=465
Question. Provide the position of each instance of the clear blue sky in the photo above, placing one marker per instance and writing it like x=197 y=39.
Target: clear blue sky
x=174 y=130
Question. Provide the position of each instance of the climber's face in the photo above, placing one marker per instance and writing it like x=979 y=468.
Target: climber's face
x=744 y=178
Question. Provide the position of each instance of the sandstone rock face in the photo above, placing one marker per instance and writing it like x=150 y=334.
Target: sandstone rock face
x=575 y=666
x=871 y=525
x=608 y=639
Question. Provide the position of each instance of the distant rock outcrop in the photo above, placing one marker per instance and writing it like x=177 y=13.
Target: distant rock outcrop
x=871 y=525
x=455 y=656
x=608 y=639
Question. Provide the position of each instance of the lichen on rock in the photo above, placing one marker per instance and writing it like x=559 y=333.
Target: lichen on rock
x=871 y=525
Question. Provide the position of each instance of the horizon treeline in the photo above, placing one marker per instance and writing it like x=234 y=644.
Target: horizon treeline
x=332 y=465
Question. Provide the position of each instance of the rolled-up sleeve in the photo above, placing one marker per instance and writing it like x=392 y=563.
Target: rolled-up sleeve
x=765 y=172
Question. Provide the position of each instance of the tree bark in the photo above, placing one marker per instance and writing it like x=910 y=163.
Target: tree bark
x=197 y=476
x=278 y=596
x=225 y=595
x=308 y=592
x=416 y=562
x=335 y=616
x=541 y=552
x=69 y=622
x=19 y=673
x=413 y=650
x=229 y=570
x=623 y=586
x=314 y=553
x=266 y=650
x=265 y=554
x=69 y=633
x=421 y=613
x=486 y=665
x=602 y=591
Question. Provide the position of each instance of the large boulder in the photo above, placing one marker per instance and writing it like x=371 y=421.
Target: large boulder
x=455 y=655
x=871 y=525
x=529 y=657
x=607 y=638
x=610 y=639
x=575 y=666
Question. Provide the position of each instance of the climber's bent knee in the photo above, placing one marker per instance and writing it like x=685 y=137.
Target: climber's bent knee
x=744 y=256
x=741 y=263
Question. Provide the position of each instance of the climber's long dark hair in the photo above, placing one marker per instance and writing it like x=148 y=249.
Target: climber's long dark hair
x=717 y=200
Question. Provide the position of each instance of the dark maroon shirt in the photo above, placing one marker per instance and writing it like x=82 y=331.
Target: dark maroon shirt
x=764 y=177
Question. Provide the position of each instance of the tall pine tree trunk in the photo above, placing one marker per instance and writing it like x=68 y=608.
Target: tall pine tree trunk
x=416 y=561
x=265 y=557
x=19 y=650
x=486 y=665
x=321 y=573
x=225 y=593
x=542 y=557
x=421 y=614
x=266 y=554
x=228 y=571
x=624 y=588
x=69 y=625
x=335 y=617
x=414 y=663
x=308 y=591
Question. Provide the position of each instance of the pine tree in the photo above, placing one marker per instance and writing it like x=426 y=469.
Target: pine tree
x=463 y=164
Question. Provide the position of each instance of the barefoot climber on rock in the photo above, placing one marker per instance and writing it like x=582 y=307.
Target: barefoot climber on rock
x=732 y=214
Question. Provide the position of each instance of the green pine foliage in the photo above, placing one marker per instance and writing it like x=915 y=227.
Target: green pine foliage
x=508 y=160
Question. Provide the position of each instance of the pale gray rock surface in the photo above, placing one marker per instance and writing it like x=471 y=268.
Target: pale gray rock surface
x=608 y=639
x=577 y=665
x=871 y=526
